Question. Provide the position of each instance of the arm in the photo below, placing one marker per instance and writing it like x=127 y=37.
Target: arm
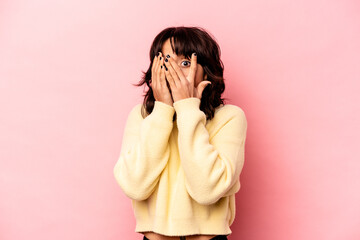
x=212 y=167
x=145 y=150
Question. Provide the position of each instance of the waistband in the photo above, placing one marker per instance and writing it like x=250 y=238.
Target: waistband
x=218 y=237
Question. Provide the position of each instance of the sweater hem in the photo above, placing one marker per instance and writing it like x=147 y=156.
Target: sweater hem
x=183 y=227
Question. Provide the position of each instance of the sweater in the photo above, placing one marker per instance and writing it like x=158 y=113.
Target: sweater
x=182 y=175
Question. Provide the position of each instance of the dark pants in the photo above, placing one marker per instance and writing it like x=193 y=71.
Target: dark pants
x=218 y=237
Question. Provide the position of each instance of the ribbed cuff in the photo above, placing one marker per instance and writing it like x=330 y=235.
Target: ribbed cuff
x=163 y=109
x=186 y=104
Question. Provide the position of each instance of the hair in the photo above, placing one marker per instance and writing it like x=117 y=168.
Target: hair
x=186 y=41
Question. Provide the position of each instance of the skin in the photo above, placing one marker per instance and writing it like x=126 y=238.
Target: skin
x=183 y=79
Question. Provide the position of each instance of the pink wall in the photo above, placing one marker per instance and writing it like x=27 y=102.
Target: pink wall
x=66 y=69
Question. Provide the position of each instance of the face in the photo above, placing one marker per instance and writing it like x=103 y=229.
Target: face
x=183 y=63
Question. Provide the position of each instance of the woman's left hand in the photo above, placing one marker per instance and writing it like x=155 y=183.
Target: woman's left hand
x=183 y=87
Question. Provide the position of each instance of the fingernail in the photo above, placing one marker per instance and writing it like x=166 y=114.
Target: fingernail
x=166 y=60
x=161 y=66
x=158 y=54
x=168 y=56
x=194 y=54
x=160 y=58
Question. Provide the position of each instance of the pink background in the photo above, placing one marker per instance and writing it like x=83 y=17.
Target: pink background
x=66 y=69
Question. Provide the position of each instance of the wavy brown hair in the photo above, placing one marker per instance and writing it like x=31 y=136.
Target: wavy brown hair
x=186 y=41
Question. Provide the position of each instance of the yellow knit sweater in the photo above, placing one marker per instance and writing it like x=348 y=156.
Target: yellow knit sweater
x=182 y=175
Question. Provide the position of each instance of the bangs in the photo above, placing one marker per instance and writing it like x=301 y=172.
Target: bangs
x=182 y=43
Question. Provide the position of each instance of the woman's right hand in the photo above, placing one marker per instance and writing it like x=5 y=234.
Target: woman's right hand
x=158 y=82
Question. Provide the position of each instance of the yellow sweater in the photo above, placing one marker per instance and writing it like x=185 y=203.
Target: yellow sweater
x=182 y=176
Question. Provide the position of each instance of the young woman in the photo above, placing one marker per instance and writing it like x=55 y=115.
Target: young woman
x=183 y=148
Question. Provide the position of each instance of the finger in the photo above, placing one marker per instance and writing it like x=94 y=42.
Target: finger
x=153 y=73
x=162 y=74
x=154 y=63
x=172 y=73
x=158 y=68
x=169 y=78
x=162 y=80
x=193 y=68
x=201 y=86
x=177 y=70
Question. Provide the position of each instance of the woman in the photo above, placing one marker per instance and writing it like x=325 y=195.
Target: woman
x=183 y=149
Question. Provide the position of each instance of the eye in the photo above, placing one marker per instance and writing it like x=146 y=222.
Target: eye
x=189 y=63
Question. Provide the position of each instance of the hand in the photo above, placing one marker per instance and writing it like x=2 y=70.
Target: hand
x=184 y=87
x=158 y=82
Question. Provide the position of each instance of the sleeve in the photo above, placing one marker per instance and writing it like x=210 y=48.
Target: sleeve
x=144 y=151
x=212 y=167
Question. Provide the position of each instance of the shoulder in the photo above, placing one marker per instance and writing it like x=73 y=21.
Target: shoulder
x=137 y=107
x=228 y=115
x=229 y=111
x=228 y=122
x=136 y=111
